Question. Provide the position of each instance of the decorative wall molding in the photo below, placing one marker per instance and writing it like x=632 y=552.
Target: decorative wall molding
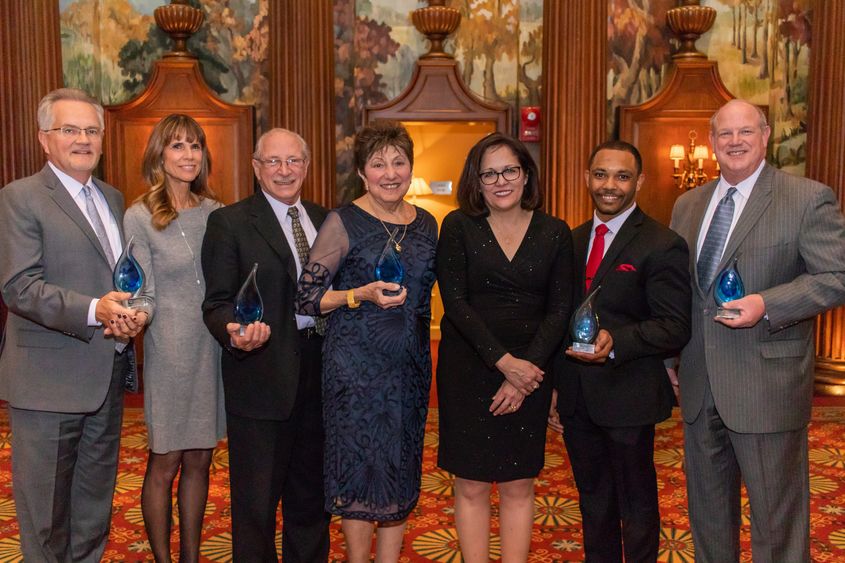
x=825 y=164
x=574 y=101
x=302 y=85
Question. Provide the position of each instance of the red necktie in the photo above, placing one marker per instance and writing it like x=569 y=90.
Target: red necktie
x=596 y=254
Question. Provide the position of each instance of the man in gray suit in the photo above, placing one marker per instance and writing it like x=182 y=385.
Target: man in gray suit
x=63 y=359
x=746 y=383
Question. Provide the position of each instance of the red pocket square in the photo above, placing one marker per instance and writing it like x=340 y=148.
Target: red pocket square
x=626 y=268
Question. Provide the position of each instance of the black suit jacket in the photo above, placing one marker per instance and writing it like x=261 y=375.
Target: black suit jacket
x=262 y=383
x=644 y=303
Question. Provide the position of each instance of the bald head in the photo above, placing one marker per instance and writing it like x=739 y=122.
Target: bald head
x=739 y=135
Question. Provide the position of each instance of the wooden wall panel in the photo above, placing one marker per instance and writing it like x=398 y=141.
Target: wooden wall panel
x=825 y=164
x=302 y=85
x=30 y=66
x=574 y=101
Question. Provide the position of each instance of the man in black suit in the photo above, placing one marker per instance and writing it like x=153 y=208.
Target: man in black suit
x=271 y=382
x=609 y=401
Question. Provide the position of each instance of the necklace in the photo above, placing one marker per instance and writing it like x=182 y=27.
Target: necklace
x=190 y=250
x=391 y=236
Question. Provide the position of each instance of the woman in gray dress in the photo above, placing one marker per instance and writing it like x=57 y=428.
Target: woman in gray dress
x=183 y=391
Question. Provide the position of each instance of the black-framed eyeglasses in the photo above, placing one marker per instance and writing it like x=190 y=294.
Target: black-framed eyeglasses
x=72 y=132
x=273 y=163
x=490 y=177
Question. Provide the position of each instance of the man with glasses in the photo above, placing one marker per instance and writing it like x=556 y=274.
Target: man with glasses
x=64 y=360
x=609 y=401
x=747 y=382
x=271 y=381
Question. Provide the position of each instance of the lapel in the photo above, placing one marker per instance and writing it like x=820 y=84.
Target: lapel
x=761 y=198
x=699 y=208
x=65 y=202
x=580 y=242
x=626 y=234
x=264 y=220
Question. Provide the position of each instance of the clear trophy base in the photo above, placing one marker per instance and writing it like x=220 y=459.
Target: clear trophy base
x=584 y=347
x=726 y=313
x=392 y=292
x=242 y=330
x=142 y=303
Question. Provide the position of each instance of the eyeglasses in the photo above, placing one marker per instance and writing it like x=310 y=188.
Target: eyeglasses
x=73 y=132
x=273 y=163
x=490 y=177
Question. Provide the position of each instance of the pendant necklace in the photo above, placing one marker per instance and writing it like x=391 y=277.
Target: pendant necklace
x=190 y=250
x=391 y=236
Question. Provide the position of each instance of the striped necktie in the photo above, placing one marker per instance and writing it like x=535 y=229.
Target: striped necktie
x=97 y=224
x=714 y=241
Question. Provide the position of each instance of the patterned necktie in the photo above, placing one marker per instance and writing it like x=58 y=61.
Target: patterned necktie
x=596 y=254
x=97 y=223
x=302 y=250
x=714 y=241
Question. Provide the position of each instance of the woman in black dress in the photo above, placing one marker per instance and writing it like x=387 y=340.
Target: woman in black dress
x=376 y=356
x=504 y=269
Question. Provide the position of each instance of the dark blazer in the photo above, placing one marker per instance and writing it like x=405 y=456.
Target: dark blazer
x=262 y=383
x=790 y=242
x=644 y=303
x=51 y=267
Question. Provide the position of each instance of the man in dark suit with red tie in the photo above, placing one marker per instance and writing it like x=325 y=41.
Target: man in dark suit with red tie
x=609 y=401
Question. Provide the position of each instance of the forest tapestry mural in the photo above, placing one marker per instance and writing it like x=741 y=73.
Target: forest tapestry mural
x=762 y=47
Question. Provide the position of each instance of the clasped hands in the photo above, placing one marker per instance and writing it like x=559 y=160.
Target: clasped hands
x=521 y=379
x=119 y=321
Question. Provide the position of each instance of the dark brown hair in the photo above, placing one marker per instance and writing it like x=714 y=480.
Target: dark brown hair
x=470 y=198
x=378 y=136
x=156 y=198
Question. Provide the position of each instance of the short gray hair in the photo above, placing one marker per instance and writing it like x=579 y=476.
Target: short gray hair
x=45 y=106
x=306 y=150
x=763 y=121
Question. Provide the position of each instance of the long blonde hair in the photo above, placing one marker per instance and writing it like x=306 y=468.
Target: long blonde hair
x=156 y=198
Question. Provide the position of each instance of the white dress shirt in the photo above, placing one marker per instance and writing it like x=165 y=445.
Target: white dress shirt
x=743 y=192
x=281 y=211
x=613 y=227
x=74 y=188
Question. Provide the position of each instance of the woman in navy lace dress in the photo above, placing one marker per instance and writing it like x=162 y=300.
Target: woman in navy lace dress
x=376 y=356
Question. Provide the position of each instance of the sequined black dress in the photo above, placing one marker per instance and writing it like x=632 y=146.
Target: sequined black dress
x=376 y=365
x=494 y=306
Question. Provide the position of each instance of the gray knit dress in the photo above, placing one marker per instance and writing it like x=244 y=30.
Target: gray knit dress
x=183 y=390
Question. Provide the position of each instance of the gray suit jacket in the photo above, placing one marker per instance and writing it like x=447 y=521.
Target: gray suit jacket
x=51 y=267
x=790 y=241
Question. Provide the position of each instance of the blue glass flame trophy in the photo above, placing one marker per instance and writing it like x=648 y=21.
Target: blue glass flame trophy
x=249 y=307
x=129 y=277
x=389 y=266
x=584 y=327
x=729 y=287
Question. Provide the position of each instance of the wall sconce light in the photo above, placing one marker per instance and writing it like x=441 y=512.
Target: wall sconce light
x=418 y=187
x=692 y=174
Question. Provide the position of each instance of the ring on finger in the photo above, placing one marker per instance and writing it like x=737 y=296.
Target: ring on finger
x=513 y=408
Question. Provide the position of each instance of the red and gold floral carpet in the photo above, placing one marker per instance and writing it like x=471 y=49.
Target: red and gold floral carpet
x=431 y=533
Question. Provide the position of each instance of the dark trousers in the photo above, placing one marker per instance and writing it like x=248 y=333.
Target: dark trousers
x=64 y=468
x=617 y=486
x=272 y=461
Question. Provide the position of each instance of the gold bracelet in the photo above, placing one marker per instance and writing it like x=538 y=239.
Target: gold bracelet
x=350 y=299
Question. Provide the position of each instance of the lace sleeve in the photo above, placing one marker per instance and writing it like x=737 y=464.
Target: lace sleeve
x=324 y=261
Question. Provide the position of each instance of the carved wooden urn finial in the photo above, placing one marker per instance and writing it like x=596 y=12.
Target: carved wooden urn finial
x=436 y=22
x=179 y=20
x=689 y=21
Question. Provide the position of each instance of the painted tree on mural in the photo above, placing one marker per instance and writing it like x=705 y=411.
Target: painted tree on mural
x=531 y=53
x=793 y=33
x=638 y=48
x=488 y=28
x=361 y=44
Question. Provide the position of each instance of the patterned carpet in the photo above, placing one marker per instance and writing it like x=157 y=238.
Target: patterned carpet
x=431 y=533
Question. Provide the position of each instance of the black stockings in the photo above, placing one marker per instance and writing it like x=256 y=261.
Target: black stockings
x=157 y=507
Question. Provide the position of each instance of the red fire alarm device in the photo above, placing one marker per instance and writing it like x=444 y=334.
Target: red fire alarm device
x=529 y=124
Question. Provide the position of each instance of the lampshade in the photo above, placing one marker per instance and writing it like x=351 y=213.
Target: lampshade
x=676 y=152
x=701 y=152
x=418 y=187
